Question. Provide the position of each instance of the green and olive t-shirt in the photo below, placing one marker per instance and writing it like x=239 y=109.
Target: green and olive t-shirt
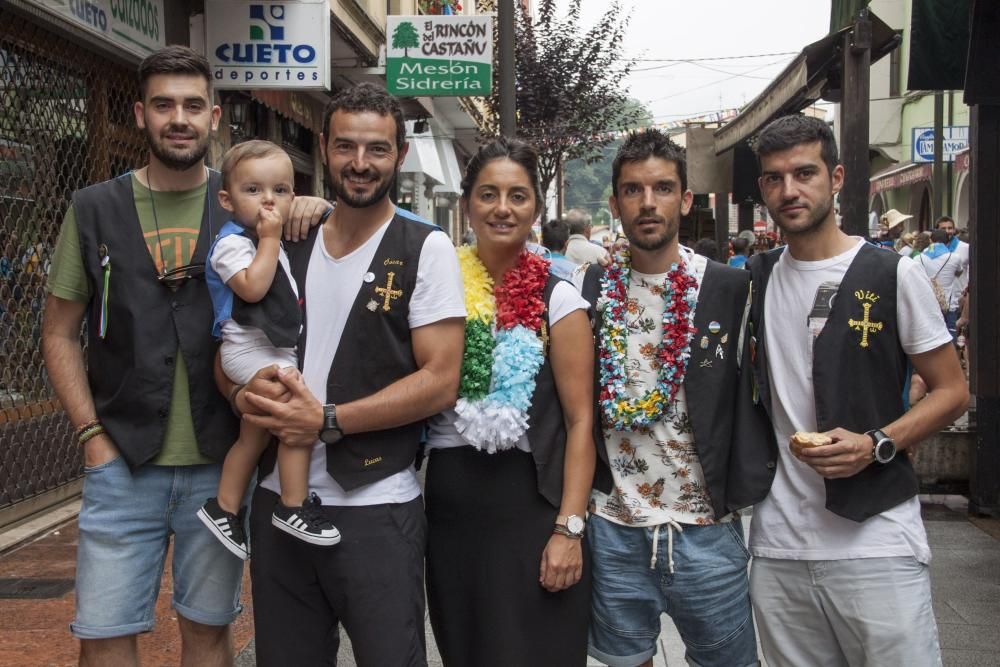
x=171 y=235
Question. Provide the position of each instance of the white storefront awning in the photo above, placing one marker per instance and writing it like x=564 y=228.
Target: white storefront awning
x=452 y=184
x=422 y=156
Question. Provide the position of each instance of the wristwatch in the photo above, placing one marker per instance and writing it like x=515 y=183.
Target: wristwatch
x=570 y=526
x=330 y=433
x=883 y=448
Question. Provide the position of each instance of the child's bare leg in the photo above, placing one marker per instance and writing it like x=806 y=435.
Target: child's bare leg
x=239 y=466
x=293 y=472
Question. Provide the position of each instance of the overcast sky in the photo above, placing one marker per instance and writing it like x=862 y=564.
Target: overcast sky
x=690 y=29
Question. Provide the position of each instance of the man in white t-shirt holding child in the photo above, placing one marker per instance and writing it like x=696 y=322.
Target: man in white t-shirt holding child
x=840 y=570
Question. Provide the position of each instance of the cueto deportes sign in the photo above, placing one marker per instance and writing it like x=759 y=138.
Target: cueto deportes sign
x=439 y=55
x=268 y=44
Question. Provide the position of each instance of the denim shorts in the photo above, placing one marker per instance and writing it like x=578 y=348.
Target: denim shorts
x=126 y=521
x=707 y=595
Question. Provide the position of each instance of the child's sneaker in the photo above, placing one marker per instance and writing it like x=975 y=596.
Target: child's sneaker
x=306 y=523
x=226 y=526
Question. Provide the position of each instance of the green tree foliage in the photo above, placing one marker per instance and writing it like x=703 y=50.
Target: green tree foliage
x=587 y=183
x=405 y=37
x=568 y=84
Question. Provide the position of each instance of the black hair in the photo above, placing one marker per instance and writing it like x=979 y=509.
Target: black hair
x=939 y=236
x=740 y=245
x=173 y=59
x=503 y=148
x=555 y=234
x=790 y=131
x=945 y=218
x=644 y=144
x=707 y=247
x=363 y=97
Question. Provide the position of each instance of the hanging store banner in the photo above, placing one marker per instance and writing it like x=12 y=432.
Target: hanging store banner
x=445 y=56
x=137 y=26
x=268 y=44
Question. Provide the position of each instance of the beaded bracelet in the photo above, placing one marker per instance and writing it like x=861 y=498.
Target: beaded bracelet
x=94 y=431
x=83 y=427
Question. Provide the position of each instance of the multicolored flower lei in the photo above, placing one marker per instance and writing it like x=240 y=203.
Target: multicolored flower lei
x=620 y=412
x=498 y=370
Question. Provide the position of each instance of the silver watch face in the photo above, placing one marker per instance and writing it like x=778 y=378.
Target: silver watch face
x=885 y=450
x=575 y=525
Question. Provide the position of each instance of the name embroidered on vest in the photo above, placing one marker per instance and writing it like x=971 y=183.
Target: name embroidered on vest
x=131 y=369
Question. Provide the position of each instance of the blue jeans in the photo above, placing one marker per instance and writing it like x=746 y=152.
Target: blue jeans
x=707 y=595
x=126 y=521
x=951 y=321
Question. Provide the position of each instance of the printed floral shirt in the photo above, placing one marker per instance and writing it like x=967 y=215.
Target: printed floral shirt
x=656 y=471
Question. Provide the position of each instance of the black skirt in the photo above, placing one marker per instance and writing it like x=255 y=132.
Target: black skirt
x=487 y=529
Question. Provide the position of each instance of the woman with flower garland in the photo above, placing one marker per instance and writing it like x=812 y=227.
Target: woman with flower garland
x=511 y=465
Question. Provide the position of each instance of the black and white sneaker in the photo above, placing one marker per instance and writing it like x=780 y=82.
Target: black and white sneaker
x=307 y=523
x=226 y=526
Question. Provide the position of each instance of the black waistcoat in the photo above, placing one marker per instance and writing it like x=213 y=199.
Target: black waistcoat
x=375 y=350
x=546 y=426
x=131 y=371
x=857 y=387
x=278 y=314
x=732 y=435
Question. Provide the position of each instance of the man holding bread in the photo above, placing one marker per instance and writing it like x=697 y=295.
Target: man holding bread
x=840 y=572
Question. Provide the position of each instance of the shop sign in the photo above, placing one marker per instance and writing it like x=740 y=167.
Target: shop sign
x=446 y=56
x=137 y=26
x=899 y=178
x=956 y=139
x=268 y=44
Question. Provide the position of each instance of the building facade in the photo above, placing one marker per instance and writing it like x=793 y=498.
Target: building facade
x=67 y=88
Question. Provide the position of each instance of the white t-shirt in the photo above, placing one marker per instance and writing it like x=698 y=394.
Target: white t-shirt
x=792 y=522
x=441 y=431
x=231 y=255
x=950 y=270
x=331 y=287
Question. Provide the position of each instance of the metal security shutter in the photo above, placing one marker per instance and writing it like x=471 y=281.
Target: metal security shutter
x=65 y=122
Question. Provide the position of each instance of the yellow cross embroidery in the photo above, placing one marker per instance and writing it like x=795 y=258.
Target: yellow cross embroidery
x=865 y=325
x=388 y=292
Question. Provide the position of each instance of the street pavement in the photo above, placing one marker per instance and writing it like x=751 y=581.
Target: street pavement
x=965 y=576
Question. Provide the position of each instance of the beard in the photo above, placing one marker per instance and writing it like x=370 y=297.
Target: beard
x=175 y=159
x=338 y=182
x=814 y=220
x=652 y=243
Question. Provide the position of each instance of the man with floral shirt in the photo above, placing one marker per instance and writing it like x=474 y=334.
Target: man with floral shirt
x=673 y=394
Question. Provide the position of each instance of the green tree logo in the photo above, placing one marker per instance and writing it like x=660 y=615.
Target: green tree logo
x=405 y=37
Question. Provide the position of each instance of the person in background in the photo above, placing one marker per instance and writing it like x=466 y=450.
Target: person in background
x=579 y=249
x=906 y=241
x=741 y=251
x=948 y=273
x=707 y=247
x=555 y=234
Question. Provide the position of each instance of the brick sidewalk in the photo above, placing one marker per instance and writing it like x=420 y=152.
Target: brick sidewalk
x=965 y=576
x=35 y=632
